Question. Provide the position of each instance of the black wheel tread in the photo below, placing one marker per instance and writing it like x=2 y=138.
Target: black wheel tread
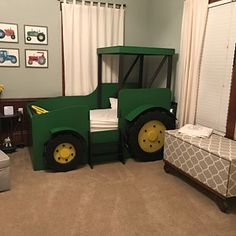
x=133 y=130
x=54 y=142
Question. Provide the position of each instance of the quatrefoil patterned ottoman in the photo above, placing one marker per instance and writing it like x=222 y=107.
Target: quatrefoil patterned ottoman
x=212 y=161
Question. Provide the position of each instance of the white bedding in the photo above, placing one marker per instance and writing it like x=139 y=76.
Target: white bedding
x=103 y=119
x=196 y=131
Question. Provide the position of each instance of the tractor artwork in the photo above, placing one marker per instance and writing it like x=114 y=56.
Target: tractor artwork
x=39 y=35
x=7 y=32
x=40 y=59
x=4 y=56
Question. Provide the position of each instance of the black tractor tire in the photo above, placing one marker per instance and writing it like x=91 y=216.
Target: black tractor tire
x=42 y=60
x=162 y=121
x=2 y=34
x=13 y=60
x=41 y=37
x=68 y=159
x=2 y=60
x=28 y=38
x=13 y=36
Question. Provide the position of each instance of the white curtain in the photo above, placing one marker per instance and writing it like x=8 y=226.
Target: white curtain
x=87 y=26
x=192 y=34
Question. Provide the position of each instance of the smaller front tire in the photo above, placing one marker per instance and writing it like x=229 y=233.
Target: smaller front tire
x=63 y=152
x=2 y=60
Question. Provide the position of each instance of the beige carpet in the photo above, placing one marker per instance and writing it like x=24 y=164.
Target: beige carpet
x=113 y=199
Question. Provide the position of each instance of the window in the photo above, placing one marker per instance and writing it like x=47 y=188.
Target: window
x=216 y=67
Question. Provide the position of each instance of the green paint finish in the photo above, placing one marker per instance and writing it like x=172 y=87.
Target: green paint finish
x=104 y=136
x=108 y=90
x=133 y=101
x=137 y=111
x=104 y=145
x=132 y=50
x=62 y=129
x=75 y=118
x=70 y=114
x=130 y=99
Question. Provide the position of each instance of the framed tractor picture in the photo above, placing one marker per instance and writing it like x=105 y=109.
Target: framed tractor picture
x=36 y=34
x=36 y=58
x=8 y=33
x=9 y=57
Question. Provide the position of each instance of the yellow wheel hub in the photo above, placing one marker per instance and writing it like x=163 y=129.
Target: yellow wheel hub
x=64 y=153
x=151 y=136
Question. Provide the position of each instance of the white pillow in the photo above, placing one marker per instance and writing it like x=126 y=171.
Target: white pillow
x=114 y=103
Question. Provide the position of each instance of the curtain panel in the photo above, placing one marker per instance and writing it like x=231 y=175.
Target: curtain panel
x=192 y=35
x=87 y=26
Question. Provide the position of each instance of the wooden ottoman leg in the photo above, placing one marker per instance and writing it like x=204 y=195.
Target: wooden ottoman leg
x=168 y=168
x=222 y=203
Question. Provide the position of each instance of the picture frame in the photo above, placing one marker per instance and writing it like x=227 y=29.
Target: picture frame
x=8 y=32
x=36 y=34
x=36 y=58
x=9 y=57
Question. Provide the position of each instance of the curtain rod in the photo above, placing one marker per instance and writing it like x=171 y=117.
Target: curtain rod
x=95 y=2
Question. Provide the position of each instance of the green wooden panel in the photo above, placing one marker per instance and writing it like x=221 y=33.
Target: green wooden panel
x=137 y=111
x=73 y=117
x=107 y=89
x=72 y=113
x=132 y=50
x=101 y=149
x=67 y=113
x=131 y=99
x=104 y=136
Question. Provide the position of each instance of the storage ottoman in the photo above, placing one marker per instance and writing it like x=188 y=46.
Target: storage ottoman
x=210 y=161
x=4 y=172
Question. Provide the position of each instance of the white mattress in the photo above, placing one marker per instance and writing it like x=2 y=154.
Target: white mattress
x=103 y=119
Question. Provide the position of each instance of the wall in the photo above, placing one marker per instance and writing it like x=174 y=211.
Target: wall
x=147 y=23
x=136 y=21
x=165 y=19
x=154 y=23
x=165 y=23
x=30 y=82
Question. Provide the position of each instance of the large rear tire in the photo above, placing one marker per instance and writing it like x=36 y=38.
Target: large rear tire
x=41 y=37
x=63 y=152
x=2 y=34
x=41 y=60
x=146 y=135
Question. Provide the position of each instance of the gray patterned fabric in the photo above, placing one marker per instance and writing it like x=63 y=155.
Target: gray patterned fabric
x=211 y=161
x=4 y=172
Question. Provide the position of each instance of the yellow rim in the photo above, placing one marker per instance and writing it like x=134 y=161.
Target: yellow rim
x=151 y=136
x=64 y=153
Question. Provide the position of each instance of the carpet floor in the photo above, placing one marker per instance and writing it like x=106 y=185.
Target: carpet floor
x=112 y=199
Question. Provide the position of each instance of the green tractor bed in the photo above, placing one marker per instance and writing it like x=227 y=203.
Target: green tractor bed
x=61 y=137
